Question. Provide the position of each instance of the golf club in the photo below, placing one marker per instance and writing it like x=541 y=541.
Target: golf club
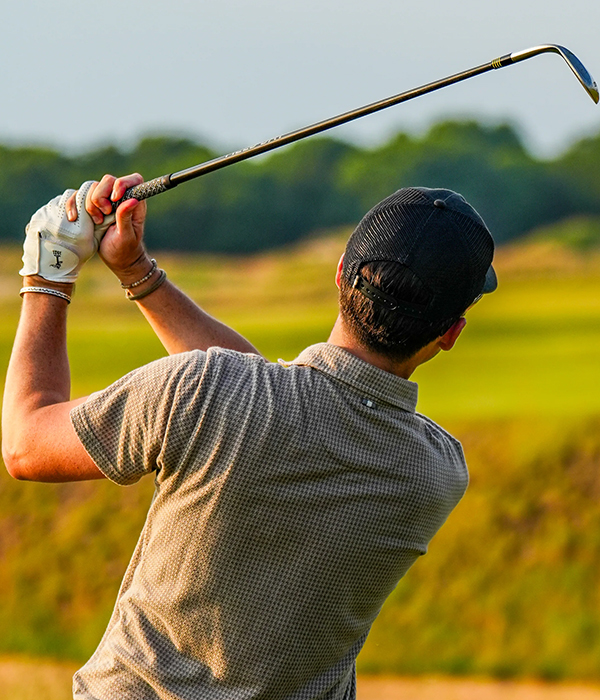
x=167 y=182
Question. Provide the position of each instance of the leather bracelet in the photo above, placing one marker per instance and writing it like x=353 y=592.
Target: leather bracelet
x=153 y=287
x=46 y=290
x=144 y=278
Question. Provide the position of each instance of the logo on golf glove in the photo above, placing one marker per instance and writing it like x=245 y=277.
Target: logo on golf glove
x=56 y=248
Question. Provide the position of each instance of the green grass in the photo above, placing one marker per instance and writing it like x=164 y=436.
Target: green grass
x=511 y=585
x=533 y=348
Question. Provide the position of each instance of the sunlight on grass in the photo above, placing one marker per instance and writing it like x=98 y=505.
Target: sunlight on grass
x=520 y=390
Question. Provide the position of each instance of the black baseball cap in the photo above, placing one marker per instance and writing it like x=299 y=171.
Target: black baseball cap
x=439 y=237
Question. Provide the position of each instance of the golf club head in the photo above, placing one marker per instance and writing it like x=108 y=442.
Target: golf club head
x=573 y=62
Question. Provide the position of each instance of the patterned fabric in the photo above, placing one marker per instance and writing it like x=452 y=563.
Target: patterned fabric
x=290 y=499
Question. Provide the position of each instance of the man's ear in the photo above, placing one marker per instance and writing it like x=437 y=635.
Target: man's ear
x=338 y=274
x=447 y=341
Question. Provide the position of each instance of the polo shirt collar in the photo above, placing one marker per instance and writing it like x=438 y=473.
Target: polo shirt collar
x=346 y=367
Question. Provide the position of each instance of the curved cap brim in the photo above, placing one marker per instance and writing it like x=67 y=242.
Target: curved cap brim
x=491 y=281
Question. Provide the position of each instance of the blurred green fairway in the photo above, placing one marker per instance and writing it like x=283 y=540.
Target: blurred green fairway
x=530 y=349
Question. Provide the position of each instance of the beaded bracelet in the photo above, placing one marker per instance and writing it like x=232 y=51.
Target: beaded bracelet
x=144 y=293
x=46 y=290
x=145 y=278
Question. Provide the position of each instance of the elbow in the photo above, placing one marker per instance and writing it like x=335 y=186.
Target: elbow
x=18 y=449
x=14 y=462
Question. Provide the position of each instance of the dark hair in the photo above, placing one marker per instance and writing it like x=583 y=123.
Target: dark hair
x=386 y=332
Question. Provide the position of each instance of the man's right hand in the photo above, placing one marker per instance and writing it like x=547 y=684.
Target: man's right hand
x=179 y=323
x=122 y=247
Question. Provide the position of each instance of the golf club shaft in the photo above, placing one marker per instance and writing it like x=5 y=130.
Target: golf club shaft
x=167 y=182
x=217 y=163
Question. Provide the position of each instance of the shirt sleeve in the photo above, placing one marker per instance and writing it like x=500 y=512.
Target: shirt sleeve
x=124 y=427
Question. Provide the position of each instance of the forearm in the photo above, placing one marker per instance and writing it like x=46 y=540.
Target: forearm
x=38 y=372
x=180 y=324
x=39 y=442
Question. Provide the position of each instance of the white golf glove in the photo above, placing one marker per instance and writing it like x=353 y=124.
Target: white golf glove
x=56 y=248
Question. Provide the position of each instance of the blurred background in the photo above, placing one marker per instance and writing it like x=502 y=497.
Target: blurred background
x=509 y=590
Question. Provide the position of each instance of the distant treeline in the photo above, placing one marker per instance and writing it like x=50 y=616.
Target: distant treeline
x=318 y=183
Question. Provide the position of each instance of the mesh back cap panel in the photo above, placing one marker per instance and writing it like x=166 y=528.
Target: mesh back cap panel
x=437 y=235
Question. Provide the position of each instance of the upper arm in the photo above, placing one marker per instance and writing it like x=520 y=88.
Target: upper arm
x=118 y=433
x=50 y=449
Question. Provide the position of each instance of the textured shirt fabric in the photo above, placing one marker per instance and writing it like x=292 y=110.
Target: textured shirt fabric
x=290 y=499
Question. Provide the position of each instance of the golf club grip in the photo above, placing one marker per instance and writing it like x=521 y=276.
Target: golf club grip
x=147 y=189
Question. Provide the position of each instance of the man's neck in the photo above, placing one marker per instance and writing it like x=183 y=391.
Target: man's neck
x=341 y=337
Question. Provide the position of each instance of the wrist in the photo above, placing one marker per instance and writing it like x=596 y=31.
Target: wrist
x=39 y=281
x=136 y=271
x=147 y=286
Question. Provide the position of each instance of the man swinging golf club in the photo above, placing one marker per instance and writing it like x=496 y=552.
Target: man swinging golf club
x=290 y=497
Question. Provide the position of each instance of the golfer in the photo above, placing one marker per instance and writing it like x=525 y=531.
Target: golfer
x=290 y=497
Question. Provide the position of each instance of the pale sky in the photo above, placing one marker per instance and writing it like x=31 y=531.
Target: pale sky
x=80 y=74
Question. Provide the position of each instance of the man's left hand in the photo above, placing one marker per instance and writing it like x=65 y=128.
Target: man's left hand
x=56 y=247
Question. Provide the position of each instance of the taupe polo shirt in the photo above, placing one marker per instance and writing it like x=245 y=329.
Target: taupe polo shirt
x=290 y=499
